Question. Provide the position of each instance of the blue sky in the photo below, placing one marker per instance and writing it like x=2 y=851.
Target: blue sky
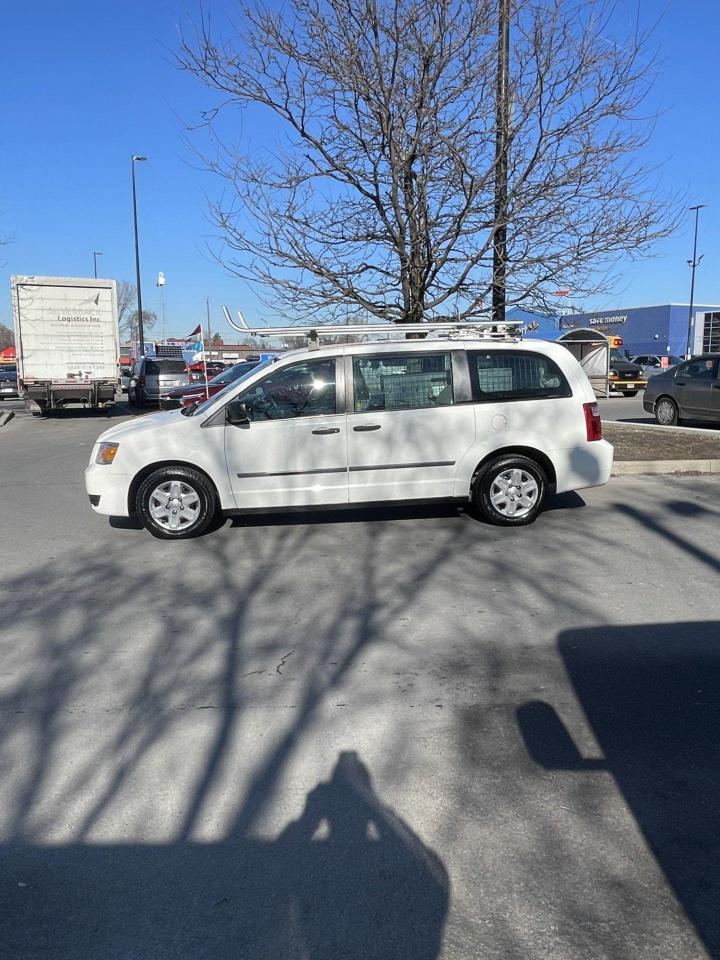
x=85 y=85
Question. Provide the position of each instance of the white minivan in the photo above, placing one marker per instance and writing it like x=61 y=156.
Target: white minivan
x=494 y=423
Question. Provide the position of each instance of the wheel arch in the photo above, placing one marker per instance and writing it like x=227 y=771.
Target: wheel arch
x=532 y=453
x=159 y=464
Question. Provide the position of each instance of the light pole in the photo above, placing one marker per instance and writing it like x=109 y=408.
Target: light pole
x=693 y=263
x=141 y=335
x=96 y=254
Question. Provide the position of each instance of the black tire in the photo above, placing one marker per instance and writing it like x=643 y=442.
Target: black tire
x=485 y=488
x=197 y=482
x=630 y=393
x=667 y=413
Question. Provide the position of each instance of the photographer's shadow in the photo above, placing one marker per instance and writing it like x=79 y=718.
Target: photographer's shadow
x=363 y=885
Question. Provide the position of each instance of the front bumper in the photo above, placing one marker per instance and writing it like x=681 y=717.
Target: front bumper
x=108 y=492
x=619 y=386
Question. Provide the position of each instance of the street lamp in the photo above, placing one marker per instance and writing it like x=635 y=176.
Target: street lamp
x=96 y=254
x=141 y=336
x=693 y=263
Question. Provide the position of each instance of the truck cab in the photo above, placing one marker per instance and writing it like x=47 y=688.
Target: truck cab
x=625 y=377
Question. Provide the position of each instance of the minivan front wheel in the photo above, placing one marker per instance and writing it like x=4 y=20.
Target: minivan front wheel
x=176 y=502
x=666 y=412
x=510 y=490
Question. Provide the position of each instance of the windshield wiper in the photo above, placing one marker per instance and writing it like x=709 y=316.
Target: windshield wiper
x=190 y=409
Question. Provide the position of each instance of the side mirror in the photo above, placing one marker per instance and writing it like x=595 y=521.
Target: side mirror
x=236 y=413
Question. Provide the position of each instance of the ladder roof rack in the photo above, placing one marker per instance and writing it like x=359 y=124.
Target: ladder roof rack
x=482 y=329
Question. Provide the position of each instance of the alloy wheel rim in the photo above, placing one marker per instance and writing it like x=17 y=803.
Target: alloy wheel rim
x=174 y=505
x=514 y=493
x=665 y=411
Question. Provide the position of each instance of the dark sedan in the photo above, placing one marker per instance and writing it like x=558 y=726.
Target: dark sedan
x=195 y=392
x=689 y=391
x=8 y=381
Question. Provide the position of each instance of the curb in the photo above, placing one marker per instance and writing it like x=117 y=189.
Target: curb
x=629 y=468
x=651 y=425
x=6 y=417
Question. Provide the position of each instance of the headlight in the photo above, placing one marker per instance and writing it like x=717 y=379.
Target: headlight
x=106 y=453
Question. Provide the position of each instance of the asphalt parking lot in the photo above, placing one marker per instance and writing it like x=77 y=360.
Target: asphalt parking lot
x=400 y=734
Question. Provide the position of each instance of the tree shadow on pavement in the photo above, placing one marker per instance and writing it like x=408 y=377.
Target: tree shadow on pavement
x=650 y=693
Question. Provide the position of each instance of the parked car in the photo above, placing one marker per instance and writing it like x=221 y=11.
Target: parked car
x=689 y=391
x=652 y=364
x=197 y=371
x=195 y=393
x=476 y=420
x=124 y=378
x=152 y=379
x=8 y=381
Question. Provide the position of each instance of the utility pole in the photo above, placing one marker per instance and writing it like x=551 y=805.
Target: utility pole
x=502 y=125
x=693 y=263
x=141 y=333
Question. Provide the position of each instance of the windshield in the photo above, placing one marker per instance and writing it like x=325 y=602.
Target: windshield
x=206 y=404
x=235 y=372
x=674 y=360
x=616 y=355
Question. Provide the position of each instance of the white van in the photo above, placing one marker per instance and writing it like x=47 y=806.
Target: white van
x=495 y=423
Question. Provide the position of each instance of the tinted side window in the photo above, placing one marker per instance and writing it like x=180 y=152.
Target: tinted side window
x=697 y=370
x=304 y=389
x=405 y=381
x=516 y=375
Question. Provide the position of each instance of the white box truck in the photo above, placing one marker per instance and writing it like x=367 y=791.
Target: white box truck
x=67 y=341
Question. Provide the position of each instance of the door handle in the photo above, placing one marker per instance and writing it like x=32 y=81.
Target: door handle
x=679 y=383
x=366 y=427
x=326 y=430
x=716 y=386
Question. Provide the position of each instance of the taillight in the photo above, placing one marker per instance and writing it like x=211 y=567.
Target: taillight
x=593 y=424
x=141 y=381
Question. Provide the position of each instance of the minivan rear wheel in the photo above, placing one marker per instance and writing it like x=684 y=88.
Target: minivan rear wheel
x=666 y=412
x=510 y=490
x=175 y=503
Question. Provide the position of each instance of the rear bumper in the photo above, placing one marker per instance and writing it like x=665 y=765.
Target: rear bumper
x=586 y=465
x=51 y=395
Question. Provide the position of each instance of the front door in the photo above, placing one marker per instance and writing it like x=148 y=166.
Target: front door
x=694 y=388
x=293 y=452
x=406 y=432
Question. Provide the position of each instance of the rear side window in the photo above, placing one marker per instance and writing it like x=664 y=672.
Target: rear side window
x=697 y=370
x=165 y=366
x=405 y=381
x=516 y=375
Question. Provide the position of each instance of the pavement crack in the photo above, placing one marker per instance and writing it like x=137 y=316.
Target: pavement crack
x=282 y=662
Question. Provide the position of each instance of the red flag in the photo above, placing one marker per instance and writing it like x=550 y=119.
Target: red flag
x=196 y=331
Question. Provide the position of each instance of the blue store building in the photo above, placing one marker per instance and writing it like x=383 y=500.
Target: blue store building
x=655 y=330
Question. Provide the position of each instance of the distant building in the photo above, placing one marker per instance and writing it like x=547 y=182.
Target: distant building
x=655 y=330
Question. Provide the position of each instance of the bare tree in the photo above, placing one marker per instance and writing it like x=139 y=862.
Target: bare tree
x=126 y=298
x=129 y=328
x=378 y=197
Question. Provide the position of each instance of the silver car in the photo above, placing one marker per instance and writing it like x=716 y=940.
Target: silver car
x=152 y=379
x=652 y=364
